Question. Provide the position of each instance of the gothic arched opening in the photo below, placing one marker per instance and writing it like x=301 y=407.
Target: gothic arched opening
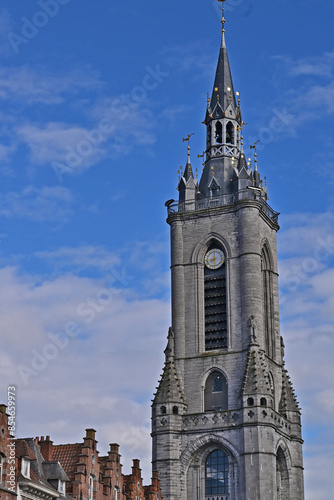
x=229 y=133
x=282 y=476
x=219 y=133
x=215 y=392
x=215 y=309
x=208 y=137
x=217 y=474
x=268 y=303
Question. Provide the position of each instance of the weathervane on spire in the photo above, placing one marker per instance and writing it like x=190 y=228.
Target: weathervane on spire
x=255 y=153
x=223 y=20
x=187 y=139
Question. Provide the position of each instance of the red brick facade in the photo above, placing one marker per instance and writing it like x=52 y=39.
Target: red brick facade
x=88 y=476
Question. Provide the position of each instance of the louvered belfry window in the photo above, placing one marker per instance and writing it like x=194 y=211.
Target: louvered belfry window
x=215 y=300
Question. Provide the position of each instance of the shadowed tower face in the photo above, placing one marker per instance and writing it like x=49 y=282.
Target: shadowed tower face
x=225 y=419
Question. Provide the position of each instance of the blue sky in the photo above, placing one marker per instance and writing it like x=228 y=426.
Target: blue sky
x=94 y=103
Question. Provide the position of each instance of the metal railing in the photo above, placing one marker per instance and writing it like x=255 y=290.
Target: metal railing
x=217 y=497
x=221 y=201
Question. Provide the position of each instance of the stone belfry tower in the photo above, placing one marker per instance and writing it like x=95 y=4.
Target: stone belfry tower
x=225 y=420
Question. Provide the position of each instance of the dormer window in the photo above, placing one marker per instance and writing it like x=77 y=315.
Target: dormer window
x=61 y=487
x=25 y=468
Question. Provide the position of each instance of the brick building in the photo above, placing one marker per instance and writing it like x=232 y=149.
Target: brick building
x=35 y=468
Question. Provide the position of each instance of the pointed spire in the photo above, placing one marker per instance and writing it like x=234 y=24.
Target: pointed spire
x=223 y=91
x=188 y=170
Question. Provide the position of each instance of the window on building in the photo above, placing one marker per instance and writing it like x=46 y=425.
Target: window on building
x=263 y=402
x=163 y=410
x=215 y=299
x=61 y=487
x=215 y=392
x=2 y=463
x=217 y=473
x=229 y=133
x=219 y=133
x=25 y=467
x=175 y=410
x=268 y=303
x=90 y=487
x=250 y=401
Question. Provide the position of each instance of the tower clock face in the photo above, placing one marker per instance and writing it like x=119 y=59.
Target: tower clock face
x=214 y=258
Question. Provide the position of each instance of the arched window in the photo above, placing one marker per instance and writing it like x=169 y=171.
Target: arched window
x=229 y=133
x=215 y=392
x=208 y=137
x=268 y=305
x=215 y=310
x=282 y=476
x=217 y=473
x=219 y=133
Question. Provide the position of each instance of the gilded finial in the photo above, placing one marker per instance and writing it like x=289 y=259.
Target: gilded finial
x=255 y=154
x=207 y=100
x=187 y=139
x=223 y=21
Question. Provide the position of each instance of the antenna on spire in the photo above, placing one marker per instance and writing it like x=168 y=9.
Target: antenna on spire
x=223 y=21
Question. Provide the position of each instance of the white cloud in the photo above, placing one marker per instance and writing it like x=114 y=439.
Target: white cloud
x=117 y=336
x=307 y=324
x=38 y=204
x=195 y=58
x=321 y=65
x=81 y=258
x=62 y=143
x=24 y=84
